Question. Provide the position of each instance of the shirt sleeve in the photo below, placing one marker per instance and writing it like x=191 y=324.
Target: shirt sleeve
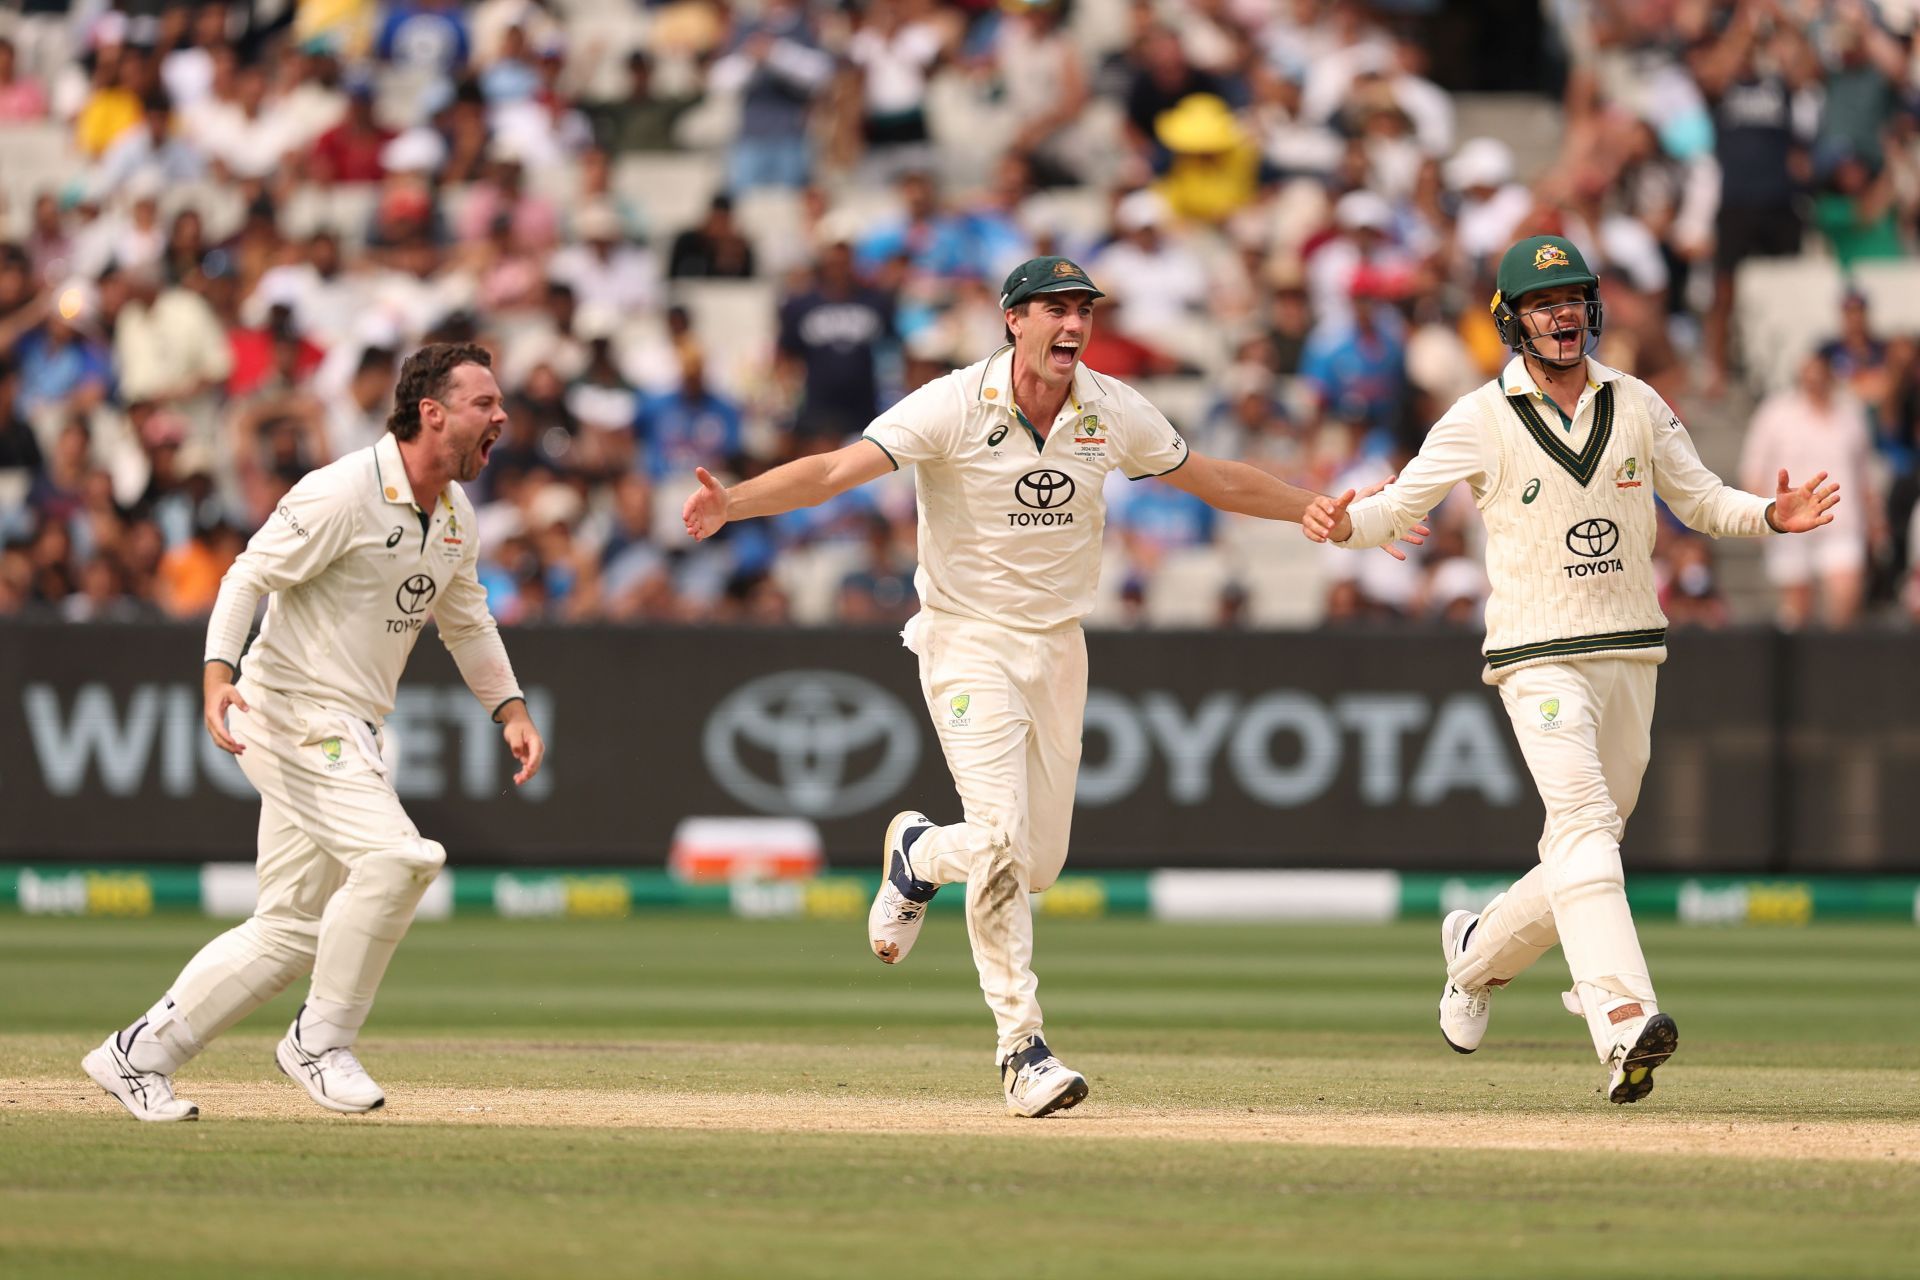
x=1453 y=451
x=1700 y=499
x=473 y=638
x=921 y=428
x=1149 y=444
x=310 y=529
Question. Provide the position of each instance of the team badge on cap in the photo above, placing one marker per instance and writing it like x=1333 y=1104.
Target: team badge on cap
x=1548 y=256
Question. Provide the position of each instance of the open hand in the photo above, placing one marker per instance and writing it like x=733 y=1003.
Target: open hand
x=1796 y=510
x=706 y=507
x=1326 y=519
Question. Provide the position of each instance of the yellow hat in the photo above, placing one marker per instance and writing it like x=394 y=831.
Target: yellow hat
x=1201 y=124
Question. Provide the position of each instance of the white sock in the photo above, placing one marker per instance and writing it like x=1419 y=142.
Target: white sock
x=160 y=1042
x=324 y=1024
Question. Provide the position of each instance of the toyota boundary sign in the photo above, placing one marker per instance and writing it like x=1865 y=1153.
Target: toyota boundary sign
x=1377 y=748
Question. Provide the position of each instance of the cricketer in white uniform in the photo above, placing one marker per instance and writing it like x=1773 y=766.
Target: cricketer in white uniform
x=355 y=559
x=1564 y=457
x=1010 y=456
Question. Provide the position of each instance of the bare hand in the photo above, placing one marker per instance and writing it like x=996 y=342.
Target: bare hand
x=524 y=741
x=221 y=695
x=1807 y=507
x=706 y=507
x=1326 y=520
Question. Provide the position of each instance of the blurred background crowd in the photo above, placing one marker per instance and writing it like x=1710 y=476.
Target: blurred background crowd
x=726 y=234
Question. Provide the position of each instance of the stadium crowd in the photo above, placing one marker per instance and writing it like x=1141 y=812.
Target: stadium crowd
x=254 y=211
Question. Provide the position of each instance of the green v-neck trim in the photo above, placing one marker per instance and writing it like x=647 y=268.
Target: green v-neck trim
x=1582 y=465
x=1039 y=441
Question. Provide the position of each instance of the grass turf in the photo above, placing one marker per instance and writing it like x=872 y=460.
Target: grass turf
x=1814 y=1026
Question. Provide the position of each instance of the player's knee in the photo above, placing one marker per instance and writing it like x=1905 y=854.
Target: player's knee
x=284 y=942
x=1589 y=865
x=409 y=865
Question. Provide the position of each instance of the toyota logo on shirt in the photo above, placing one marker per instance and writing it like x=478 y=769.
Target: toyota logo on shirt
x=1593 y=538
x=1045 y=489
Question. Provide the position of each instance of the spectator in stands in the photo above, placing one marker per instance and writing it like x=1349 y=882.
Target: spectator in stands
x=1158 y=78
x=1160 y=282
x=1755 y=142
x=22 y=98
x=716 y=249
x=424 y=36
x=115 y=90
x=603 y=269
x=642 y=118
x=777 y=68
x=881 y=589
x=831 y=339
x=693 y=426
x=1360 y=360
x=1690 y=591
x=63 y=365
x=1453 y=587
x=349 y=152
x=1215 y=168
x=1043 y=82
x=1812 y=427
x=895 y=49
x=359 y=418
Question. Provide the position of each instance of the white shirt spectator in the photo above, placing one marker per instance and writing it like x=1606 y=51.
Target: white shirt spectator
x=895 y=64
x=626 y=279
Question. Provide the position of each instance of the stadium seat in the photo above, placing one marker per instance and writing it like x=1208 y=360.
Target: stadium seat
x=811 y=577
x=673 y=189
x=735 y=320
x=1186 y=589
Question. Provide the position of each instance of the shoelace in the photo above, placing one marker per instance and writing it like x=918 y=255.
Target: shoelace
x=341 y=1060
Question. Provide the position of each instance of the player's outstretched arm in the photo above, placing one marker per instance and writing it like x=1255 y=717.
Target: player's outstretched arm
x=804 y=482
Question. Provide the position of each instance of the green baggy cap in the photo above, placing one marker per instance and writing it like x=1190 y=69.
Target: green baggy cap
x=1540 y=262
x=1044 y=275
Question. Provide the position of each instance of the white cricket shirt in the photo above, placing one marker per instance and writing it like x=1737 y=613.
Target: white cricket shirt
x=1010 y=524
x=1569 y=511
x=355 y=568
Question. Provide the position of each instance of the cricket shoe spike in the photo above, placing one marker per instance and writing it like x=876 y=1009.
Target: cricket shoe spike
x=1637 y=1054
x=1464 y=1011
x=147 y=1095
x=1037 y=1083
x=900 y=908
x=334 y=1078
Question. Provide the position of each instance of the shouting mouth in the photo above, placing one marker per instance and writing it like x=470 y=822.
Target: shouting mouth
x=1061 y=355
x=486 y=445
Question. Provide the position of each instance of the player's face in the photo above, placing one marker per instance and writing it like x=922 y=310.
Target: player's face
x=1052 y=331
x=475 y=419
x=1555 y=321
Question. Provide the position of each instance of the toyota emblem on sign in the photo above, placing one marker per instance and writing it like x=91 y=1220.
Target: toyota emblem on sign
x=1593 y=538
x=415 y=594
x=821 y=744
x=1044 y=489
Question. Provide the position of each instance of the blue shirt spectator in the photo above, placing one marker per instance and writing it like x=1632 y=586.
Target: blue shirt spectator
x=1362 y=361
x=689 y=427
x=427 y=34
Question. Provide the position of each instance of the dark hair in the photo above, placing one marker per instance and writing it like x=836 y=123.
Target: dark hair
x=426 y=375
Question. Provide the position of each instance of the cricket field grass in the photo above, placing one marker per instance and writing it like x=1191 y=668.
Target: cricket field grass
x=684 y=1096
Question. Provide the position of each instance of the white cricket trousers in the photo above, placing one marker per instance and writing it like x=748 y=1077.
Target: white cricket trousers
x=1007 y=706
x=341 y=869
x=1585 y=730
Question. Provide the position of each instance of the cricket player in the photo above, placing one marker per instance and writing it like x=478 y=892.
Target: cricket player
x=1564 y=457
x=1011 y=455
x=354 y=560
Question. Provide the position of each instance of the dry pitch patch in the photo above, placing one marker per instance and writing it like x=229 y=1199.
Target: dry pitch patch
x=805 y=1112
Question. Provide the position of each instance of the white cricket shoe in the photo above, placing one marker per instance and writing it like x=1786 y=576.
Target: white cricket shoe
x=333 y=1077
x=900 y=908
x=1037 y=1083
x=1464 y=1011
x=1636 y=1055
x=147 y=1095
